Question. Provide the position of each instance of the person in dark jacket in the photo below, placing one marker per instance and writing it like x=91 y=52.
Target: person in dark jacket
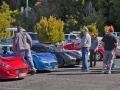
x=93 y=49
x=110 y=42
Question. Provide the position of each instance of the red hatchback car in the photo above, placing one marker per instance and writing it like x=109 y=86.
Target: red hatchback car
x=12 y=67
x=75 y=46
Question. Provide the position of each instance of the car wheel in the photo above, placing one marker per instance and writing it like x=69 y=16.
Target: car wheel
x=60 y=61
x=98 y=56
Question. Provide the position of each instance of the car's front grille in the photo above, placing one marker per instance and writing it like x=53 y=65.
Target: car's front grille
x=53 y=64
x=18 y=71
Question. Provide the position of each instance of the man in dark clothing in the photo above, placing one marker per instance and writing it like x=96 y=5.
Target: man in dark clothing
x=110 y=42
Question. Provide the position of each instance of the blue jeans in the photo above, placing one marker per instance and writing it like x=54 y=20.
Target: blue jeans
x=85 y=51
x=27 y=53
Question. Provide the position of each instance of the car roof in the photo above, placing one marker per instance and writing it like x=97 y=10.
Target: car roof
x=5 y=45
x=39 y=44
x=12 y=29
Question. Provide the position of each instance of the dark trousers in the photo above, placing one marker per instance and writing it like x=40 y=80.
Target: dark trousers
x=92 y=57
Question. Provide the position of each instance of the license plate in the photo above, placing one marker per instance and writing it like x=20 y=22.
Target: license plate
x=22 y=74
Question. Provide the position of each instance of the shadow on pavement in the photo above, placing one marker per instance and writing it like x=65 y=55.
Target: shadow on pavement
x=42 y=71
x=9 y=80
x=79 y=72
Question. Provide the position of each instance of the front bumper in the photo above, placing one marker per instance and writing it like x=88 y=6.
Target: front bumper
x=14 y=73
x=70 y=62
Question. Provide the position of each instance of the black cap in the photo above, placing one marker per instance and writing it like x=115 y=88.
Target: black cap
x=19 y=28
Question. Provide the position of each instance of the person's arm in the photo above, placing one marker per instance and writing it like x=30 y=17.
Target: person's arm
x=83 y=41
x=15 y=39
x=97 y=44
x=29 y=40
x=103 y=41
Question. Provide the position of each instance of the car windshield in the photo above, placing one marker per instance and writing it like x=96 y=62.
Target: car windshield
x=78 y=36
x=54 y=48
x=33 y=36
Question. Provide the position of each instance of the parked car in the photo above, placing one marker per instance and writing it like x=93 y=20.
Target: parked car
x=14 y=30
x=75 y=53
x=117 y=35
x=11 y=66
x=64 y=59
x=117 y=51
x=75 y=46
x=72 y=37
x=42 y=61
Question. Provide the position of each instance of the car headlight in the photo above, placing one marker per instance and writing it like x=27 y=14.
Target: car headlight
x=46 y=64
x=40 y=58
x=4 y=65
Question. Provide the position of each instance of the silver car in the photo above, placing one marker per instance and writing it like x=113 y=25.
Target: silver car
x=117 y=51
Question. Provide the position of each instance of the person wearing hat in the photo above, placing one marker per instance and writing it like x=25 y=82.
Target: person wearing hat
x=110 y=42
x=22 y=43
x=84 y=45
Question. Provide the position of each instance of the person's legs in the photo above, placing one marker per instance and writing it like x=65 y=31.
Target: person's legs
x=94 y=58
x=91 y=57
x=21 y=53
x=111 y=58
x=105 y=59
x=29 y=59
x=84 y=58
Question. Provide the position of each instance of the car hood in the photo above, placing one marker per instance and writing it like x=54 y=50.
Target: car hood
x=13 y=61
x=47 y=56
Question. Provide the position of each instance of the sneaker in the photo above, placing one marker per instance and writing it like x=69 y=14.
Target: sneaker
x=32 y=72
x=109 y=72
x=104 y=72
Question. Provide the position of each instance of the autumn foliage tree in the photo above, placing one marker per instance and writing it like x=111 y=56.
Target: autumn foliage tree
x=50 y=30
x=92 y=28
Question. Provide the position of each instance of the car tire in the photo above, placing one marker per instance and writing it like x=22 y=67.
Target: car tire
x=60 y=61
x=98 y=56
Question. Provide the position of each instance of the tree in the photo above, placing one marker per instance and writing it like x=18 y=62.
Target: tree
x=9 y=14
x=50 y=30
x=92 y=28
x=3 y=25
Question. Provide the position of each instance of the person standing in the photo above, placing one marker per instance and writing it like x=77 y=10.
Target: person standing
x=110 y=42
x=84 y=45
x=94 y=49
x=22 y=43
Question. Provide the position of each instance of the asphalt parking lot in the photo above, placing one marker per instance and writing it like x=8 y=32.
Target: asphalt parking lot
x=67 y=79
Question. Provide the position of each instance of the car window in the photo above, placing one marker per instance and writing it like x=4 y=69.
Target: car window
x=4 y=49
x=118 y=34
x=72 y=37
x=33 y=36
x=66 y=37
x=38 y=49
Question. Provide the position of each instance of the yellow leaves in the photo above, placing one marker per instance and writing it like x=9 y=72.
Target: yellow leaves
x=50 y=30
x=92 y=28
x=106 y=28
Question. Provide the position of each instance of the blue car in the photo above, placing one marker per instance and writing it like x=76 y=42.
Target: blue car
x=42 y=61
